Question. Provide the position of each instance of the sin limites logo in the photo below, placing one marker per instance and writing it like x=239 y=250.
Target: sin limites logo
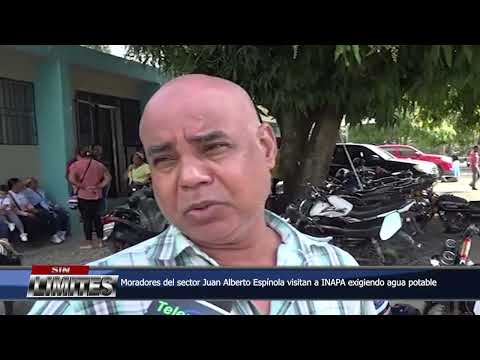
x=51 y=281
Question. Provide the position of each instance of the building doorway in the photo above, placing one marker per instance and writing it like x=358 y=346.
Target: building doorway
x=112 y=123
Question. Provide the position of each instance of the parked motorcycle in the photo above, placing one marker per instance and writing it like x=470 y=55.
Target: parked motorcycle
x=361 y=238
x=132 y=223
x=457 y=213
x=454 y=254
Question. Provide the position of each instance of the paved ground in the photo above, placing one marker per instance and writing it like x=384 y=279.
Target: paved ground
x=69 y=252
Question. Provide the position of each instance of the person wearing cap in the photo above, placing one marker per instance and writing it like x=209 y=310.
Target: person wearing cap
x=139 y=171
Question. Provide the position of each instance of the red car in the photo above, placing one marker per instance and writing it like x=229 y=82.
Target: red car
x=444 y=163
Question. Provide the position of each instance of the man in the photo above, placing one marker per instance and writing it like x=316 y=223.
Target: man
x=211 y=161
x=473 y=158
x=38 y=198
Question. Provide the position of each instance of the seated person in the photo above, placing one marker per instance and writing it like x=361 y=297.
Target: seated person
x=4 y=230
x=37 y=222
x=37 y=197
x=8 y=215
x=139 y=171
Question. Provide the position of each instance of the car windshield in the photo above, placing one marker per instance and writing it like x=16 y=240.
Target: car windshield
x=379 y=151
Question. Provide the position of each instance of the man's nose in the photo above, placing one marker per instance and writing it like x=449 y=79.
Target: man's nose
x=193 y=172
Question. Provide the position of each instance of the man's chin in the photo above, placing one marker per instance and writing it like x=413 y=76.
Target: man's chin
x=215 y=232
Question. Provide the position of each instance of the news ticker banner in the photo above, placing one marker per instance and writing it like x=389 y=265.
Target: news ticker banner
x=79 y=282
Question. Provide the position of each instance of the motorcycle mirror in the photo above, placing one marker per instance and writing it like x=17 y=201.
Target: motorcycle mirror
x=279 y=188
x=390 y=226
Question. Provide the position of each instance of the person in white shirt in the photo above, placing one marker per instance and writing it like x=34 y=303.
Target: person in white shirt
x=38 y=198
x=8 y=215
x=37 y=222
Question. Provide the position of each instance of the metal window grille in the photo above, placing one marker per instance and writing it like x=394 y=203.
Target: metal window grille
x=17 y=113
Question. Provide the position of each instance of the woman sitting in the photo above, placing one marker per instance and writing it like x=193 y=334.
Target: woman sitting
x=8 y=215
x=36 y=196
x=138 y=172
x=37 y=222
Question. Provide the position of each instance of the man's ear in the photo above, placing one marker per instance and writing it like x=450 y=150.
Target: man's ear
x=268 y=143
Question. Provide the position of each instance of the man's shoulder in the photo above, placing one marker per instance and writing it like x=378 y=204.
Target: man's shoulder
x=321 y=253
x=326 y=253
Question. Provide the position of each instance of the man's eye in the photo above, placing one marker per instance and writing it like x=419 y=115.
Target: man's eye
x=162 y=161
x=216 y=147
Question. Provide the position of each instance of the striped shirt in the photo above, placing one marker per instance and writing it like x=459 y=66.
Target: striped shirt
x=172 y=248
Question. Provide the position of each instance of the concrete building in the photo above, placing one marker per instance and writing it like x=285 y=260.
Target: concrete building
x=54 y=98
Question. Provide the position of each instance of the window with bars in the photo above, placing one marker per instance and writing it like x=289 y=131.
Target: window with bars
x=17 y=113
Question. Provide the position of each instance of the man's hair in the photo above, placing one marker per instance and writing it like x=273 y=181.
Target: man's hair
x=28 y=181
x=140 y=155
x=12 y=182
x=475 y=147
x=85 y=151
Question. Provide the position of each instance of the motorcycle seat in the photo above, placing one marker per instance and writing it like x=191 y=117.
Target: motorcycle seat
x=363 y=212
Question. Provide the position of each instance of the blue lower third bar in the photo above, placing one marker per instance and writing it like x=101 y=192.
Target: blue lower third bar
x=222 y=283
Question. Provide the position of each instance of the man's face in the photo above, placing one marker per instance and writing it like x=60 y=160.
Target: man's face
x=97 y=151
x=210 y=171
x=19 y=186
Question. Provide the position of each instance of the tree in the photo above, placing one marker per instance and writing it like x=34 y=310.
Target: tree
x=310 y=88
x=102 y=48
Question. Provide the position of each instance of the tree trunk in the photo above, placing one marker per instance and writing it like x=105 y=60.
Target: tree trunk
x=294 y=129
x=321 y=147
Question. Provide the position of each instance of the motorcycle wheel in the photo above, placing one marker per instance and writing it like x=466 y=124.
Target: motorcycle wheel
x=454 y=222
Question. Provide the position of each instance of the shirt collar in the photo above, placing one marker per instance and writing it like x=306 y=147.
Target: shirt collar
x=174 y=242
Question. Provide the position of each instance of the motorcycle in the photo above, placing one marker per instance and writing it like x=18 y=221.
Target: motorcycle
x=454 y=254
x=139 y=220
x=360 y=238
x=325 y=211
x=456 y=213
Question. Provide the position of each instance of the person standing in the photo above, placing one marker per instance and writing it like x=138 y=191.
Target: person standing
x=211 y=163
x=89 y=177
x=473 y=158
x=456 y=166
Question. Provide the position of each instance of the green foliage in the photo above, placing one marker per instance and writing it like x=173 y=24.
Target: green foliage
x=360 y=80
x=102 y=48
x=424 y=133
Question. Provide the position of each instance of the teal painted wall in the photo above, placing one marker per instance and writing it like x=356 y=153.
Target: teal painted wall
x=53 y=103
x=54 y=106
x=80 y=55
